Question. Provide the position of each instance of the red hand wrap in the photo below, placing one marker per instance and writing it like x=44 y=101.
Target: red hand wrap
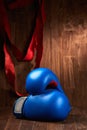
x=35 y=44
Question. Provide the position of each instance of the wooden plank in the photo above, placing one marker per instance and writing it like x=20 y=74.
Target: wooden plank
x=80 y=119
x=71 y=126
x=77 y=120
x=26 y=125
x=4 y=116
x=55 y=126
x=47 y=55
x=39 y=126
x=13 y=123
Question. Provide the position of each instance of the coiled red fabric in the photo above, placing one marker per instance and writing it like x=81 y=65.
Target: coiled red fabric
x=36 y=43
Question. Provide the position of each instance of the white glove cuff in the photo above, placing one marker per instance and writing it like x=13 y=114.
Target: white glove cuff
x=18 y=106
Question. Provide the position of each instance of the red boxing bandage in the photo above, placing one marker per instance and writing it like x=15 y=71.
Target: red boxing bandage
x=36 y=43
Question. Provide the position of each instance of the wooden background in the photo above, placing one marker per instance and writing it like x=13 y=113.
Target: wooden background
x=65 y=48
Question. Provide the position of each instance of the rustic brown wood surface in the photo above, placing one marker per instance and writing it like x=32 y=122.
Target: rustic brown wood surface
x=65 y=48
x=77 y=120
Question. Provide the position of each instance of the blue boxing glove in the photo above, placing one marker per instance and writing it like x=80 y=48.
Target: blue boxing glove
x=46 y=101
x=39 y=79
x=52 y=105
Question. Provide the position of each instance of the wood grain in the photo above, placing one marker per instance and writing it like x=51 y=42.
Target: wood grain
x=77 y=120
x=67 y=22
x=64 y=43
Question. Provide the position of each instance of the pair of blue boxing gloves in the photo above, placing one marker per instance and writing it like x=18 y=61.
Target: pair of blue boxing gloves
x=46 y=101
